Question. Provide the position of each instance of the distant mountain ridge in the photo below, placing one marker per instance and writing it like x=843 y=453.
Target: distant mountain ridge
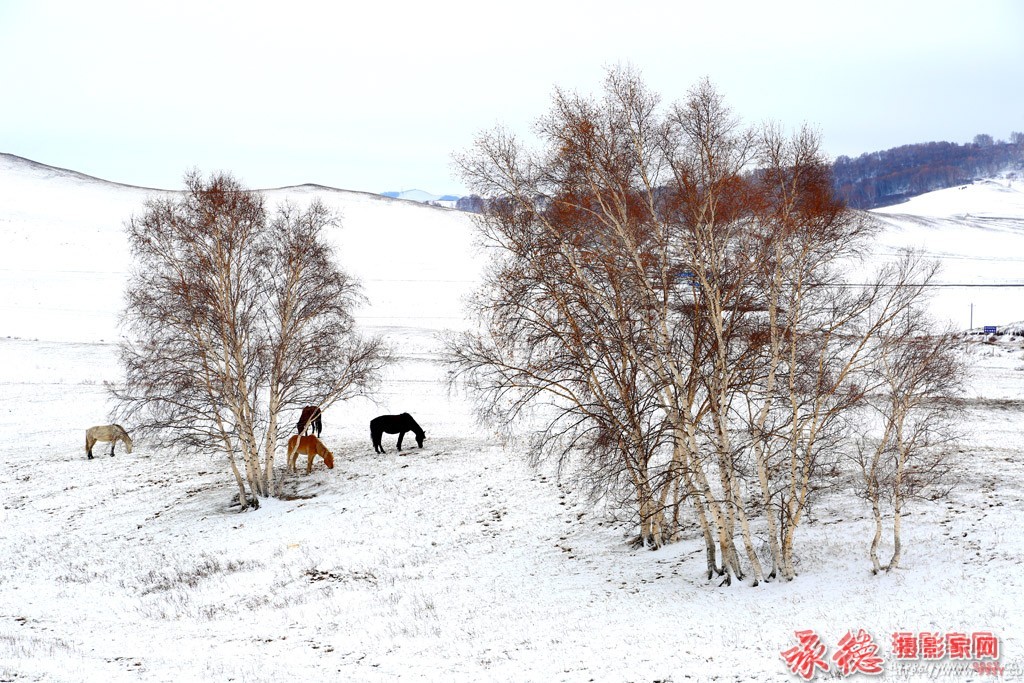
x=44 y=171
x=448 y=200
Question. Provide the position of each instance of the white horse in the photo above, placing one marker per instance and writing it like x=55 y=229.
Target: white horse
x=111 y=433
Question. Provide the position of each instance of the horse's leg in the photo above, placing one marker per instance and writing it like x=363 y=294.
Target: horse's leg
x=309 y=463
x=375 y=437
x=113 y=442
x=88 y=446
x=400 y=435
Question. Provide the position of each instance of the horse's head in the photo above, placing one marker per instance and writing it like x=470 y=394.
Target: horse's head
x=128 y=443
x=420 y=438
x=327 y=456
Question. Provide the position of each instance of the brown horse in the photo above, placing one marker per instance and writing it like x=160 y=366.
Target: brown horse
x=111 y=433
x=310 y=446
x=311 y=419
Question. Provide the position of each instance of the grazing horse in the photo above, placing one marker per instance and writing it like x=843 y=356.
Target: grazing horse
x=111 y=433
x=310 y=446
x=310 y=419
x=394 y=424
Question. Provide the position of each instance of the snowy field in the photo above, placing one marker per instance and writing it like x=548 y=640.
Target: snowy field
x=457 y=562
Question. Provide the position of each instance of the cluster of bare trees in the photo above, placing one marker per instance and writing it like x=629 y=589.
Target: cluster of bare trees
x=235 y=314
x=675 y=302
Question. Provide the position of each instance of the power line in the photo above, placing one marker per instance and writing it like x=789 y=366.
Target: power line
x=929 y=286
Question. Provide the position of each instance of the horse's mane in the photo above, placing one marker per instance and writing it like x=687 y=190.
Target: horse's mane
x=413 y=424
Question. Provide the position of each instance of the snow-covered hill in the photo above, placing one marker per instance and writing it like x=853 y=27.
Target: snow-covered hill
x=64 y=255
x=457 y=562
x=976 y=232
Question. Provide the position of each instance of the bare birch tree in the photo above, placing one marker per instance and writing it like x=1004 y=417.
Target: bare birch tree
x=806 y=331
x=599 y=226
x=313 y=354
x=910 y=452
x=231 y=318
x=566 y=302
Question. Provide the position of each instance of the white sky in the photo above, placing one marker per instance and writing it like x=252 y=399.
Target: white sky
x=378 y=96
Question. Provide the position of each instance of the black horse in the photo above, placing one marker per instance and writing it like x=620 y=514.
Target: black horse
x=311 y=419
x=395 y=424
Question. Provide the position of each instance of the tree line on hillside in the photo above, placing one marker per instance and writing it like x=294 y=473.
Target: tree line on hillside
x=888 y=177
x=894 y=175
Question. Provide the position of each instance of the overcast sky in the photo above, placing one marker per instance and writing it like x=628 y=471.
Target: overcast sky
x=377 y=96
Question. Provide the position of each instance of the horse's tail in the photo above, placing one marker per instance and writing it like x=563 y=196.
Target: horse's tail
x=293 y=447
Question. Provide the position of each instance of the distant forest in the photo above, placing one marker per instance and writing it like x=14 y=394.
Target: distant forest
x=889 y=177
x=895 y=175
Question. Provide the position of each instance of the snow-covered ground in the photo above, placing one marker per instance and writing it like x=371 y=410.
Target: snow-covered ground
x=976 y=231
x=457 y=562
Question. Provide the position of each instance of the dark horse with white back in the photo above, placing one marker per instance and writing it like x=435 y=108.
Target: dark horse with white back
x=395 y=424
